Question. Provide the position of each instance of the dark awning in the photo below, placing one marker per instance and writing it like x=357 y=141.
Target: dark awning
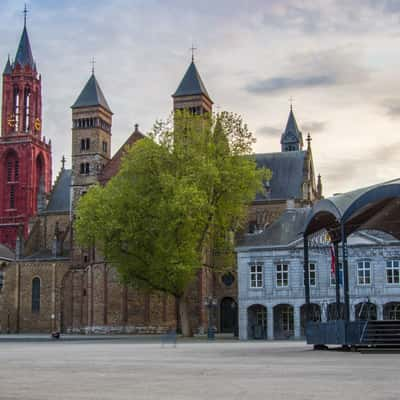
x=373 y=207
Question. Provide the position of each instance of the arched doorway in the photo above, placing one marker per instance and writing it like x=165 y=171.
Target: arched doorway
x=391 y=311
x=257 y=322
x=283 y=321
x=365 y=311
x=228 y=315
x=315 y=315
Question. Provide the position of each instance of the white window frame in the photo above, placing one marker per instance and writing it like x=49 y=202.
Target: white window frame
x=392 y=268
x=256 y=275
x=361 y=278
x=280 y=269
x=309 y=274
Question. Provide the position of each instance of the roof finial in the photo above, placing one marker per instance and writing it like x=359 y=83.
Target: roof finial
x=291 y=103
x=136 y=128
x=25 y=14
x=309 y=140
x=63 y=162
x=93 y=61
x=192 y=49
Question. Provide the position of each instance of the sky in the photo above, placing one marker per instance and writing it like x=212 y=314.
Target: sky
x=338 y=60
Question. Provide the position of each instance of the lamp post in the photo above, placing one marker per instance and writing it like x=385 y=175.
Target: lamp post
x=211 y=303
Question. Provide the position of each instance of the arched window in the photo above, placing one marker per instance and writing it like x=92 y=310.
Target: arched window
x=36 y=295
x=27 y=106
x=12 y=175
x=16 y=108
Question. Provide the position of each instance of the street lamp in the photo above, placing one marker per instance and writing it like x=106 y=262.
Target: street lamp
x=211 y=303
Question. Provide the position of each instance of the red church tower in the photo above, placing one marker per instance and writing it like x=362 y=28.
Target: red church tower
x=25 y=156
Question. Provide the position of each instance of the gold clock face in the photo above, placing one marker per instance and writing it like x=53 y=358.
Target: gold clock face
x=38 y=124
x=11 y=120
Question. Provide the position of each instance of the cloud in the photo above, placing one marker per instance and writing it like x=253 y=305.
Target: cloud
x=314 y=126
x=339 y=66
x=392 y=107
x=270 y=131
x=369 y=167
x=285 y=83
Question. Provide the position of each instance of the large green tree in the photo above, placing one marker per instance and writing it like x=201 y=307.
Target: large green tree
x=181 y=191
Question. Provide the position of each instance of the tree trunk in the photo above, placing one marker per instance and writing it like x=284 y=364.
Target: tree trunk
x=186 y=326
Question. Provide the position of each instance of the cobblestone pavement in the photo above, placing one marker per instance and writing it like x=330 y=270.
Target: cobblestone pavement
x=131 y=369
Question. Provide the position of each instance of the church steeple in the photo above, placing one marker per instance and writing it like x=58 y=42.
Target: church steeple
x=91 y=96
x=24 y=55
x=22 y=97
x=91 y=137
x=292 y=138
x=191 y=93
x=25 y=178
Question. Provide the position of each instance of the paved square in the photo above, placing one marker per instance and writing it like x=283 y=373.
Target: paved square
x=132 y=369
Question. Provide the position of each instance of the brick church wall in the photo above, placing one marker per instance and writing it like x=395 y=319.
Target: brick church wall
x=16 y=296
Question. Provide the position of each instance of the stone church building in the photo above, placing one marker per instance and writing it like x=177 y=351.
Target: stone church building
x=47 y=282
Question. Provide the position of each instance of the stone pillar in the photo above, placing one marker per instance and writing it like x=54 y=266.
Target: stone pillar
x=270 y=323
x=296 y=321
x=243 y=322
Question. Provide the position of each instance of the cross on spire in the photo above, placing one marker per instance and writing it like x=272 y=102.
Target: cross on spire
x=192 y=49
x=93 y=61
x=63 y=162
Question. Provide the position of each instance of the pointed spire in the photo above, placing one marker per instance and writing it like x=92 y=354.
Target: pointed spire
x=292 y=138
x=91 y=96
x=8 y=68
x=291 y=125
x=24 y=52
x=319 y=186
x=191 y=83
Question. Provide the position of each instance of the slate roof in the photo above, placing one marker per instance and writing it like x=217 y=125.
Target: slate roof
x=283 y=231
x=113 y=166
x=7 y=68
x=91 y=95
x=191 y=83
x=6 y=253
x=60 y=195
x=287 y=174
x=289 y=227
x=24 y=52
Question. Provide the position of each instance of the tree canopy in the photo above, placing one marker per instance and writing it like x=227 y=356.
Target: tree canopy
x=180 y=191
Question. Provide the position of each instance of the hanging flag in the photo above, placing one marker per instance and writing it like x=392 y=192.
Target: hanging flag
x=333 y=258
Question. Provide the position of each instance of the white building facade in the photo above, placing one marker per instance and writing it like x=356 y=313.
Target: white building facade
x=271 y=279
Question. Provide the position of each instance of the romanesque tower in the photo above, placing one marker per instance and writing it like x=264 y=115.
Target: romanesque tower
x=91 y=137
x=25 y=156
x=191 y=93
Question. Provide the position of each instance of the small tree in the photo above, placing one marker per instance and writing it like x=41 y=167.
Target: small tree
x=179 y=193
